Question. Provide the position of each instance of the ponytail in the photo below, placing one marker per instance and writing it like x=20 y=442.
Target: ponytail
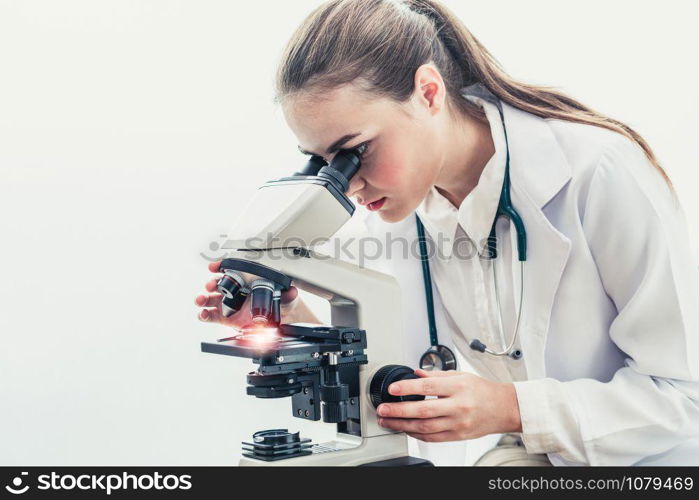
x=379 y=44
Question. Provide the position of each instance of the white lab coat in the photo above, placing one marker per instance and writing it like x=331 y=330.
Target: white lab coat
x=610 y=320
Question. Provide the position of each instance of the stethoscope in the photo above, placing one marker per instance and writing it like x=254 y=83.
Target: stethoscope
x=438 y=356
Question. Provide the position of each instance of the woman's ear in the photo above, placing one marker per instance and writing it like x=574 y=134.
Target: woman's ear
x=430 y=91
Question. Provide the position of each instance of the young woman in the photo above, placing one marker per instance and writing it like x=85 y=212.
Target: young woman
x=587 y=357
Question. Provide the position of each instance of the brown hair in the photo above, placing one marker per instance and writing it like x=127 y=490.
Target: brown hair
x=379 y=44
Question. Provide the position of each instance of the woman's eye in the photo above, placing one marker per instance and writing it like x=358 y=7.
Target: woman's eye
x=361 y=150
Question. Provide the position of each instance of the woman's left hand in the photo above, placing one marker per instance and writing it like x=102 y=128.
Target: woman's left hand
x=467 y=407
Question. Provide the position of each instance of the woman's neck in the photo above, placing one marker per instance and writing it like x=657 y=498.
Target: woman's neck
x=469 y=145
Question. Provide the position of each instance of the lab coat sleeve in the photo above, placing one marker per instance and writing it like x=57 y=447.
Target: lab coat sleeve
x=637 y=235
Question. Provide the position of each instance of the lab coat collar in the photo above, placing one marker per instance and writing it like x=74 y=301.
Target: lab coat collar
x=537 y=162
x=537 y=166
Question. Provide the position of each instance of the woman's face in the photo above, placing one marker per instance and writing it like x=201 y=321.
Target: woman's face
x=402 y=154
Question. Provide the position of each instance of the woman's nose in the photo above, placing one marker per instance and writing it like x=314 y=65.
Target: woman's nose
x=355 y=185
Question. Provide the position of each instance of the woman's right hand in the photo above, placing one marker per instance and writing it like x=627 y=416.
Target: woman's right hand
x=293 y=309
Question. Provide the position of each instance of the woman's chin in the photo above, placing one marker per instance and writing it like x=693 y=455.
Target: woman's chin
x=391 y=215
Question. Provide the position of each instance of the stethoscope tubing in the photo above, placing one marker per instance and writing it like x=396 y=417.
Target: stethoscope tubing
x=507 y=210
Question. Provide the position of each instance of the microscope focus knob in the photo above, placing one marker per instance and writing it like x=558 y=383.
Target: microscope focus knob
x=382 y=379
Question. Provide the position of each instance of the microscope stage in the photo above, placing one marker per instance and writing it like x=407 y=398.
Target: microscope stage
x=296 y=343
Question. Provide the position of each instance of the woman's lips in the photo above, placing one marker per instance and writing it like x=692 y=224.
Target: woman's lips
x=376 y=205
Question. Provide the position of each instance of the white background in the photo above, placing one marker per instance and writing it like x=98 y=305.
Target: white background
x=132 y=131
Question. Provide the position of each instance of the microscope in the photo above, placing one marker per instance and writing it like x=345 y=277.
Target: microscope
x=338 y=373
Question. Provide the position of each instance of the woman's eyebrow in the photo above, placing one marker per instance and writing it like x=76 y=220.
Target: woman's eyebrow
x=335 y=146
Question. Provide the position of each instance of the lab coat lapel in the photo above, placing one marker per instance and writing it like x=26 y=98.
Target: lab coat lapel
x=538 y=171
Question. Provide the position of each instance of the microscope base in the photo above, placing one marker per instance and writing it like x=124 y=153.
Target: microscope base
x=349 y=451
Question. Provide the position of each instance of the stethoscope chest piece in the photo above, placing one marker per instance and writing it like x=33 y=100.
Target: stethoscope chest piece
x=438 y=357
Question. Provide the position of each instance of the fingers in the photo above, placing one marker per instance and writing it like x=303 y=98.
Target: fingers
x=436 y=437
x=212 y=300
x=429 y=408
x=289 y=295
x=239 y=319
x=419 y=426
x=212 y=285
x=215 y=266
x=209 y=315
x=427 y=386
x=213 y=316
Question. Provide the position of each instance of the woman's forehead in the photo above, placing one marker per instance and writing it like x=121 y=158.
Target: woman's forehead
x=346 y=102
x=319 y=119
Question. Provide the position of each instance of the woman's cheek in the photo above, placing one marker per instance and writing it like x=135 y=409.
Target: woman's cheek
x=391 y=170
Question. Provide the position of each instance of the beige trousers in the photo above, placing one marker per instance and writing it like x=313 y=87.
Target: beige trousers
x=510 y=451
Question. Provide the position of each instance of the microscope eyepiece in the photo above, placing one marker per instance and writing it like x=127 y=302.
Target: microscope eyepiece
x=314 y=164
x=341 y=170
